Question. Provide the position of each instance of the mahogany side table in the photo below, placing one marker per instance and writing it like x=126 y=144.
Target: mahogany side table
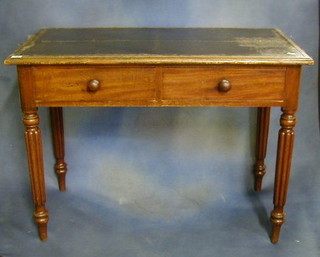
x=60 y=67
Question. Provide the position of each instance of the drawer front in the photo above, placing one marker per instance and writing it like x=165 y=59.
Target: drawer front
x=63 y=85
x=203 y=84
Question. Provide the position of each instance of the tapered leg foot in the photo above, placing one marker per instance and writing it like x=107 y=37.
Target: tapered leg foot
x=42 y=228
x=260 y=171
x=277 y=219
x=275 y=233
x=42 y=218
x=263 y=118
x=58 y=145
x=61 y=171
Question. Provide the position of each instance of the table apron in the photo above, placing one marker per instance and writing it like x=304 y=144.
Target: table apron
x=158 y=86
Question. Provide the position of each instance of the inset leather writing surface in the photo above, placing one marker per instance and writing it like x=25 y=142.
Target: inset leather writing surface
x=159 y=45
x=88 y=34
x=153 y=42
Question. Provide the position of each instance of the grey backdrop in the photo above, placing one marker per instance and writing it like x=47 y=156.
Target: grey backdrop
x=162 y=181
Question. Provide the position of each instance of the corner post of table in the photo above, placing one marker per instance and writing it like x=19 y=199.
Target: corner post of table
x=34 y=149
x=285 y=150
x=263 y=118
x=60 y=166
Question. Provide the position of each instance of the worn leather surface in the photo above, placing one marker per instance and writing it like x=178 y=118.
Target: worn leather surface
x=161 y=41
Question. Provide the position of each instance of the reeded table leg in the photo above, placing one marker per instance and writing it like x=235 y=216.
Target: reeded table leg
x=263 y=118
x=58 y=145
x=35 y=159
x=284 y=155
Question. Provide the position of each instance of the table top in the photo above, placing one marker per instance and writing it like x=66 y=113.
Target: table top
x=159 y=45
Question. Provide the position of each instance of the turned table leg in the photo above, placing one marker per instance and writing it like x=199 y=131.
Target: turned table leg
x=58 y=145
x=284 y=155
x=34 y=150
x=263 y=118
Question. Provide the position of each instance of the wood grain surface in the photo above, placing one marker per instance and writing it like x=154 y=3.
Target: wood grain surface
x=158 y=85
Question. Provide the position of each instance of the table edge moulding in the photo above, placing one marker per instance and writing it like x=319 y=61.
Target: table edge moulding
x=155 y=67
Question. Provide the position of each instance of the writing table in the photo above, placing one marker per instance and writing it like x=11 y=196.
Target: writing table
x=59 y=67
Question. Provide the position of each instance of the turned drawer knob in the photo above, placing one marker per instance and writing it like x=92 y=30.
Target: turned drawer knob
x=93 y=85
x=224 y=85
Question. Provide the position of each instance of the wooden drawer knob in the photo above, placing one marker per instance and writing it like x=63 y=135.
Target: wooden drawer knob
x=224 y=85
x=93 y=85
